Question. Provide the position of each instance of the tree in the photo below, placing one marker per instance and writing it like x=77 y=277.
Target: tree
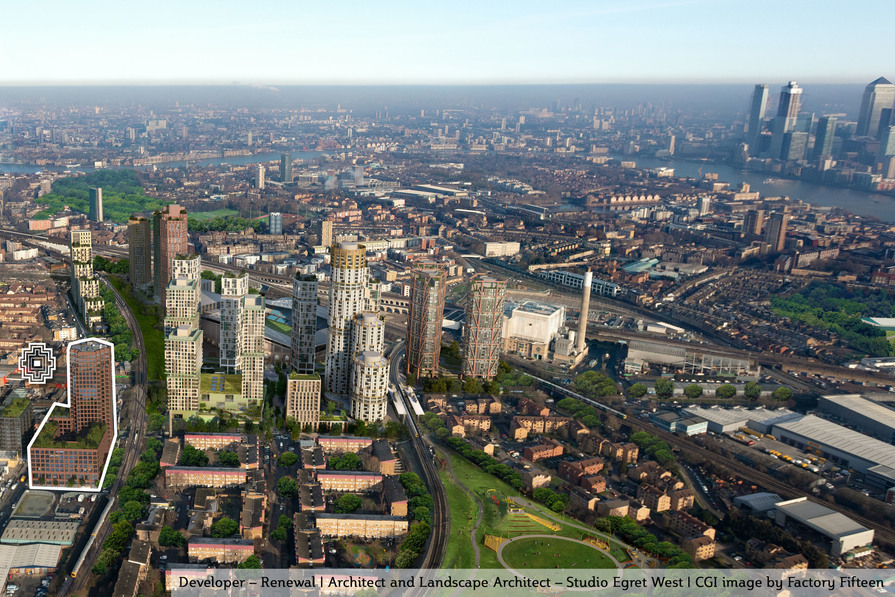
x=422 y=514
x=471 y=385
x=287 y=459
x=782 y=394
x=664 y=388
x=224 y=528
x=250 y=563
x=285 y=522
x=347 y=504
x=132 y=510
x=193 y=457
x=726 y=391
x=752 y=391
x=347 y=462
x=168 y=537
x=411 y=379
x=638 y=390
x=287 y=487
x=693 y=391
x=228 y=458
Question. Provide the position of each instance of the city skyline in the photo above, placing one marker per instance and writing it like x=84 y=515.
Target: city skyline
x=680 y=41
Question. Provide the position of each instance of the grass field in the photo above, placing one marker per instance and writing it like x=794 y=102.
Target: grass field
x=276 y=325
x=496 y=521
x=201 y=216
x=153 y=339
x=459 y=552
x=553 y=553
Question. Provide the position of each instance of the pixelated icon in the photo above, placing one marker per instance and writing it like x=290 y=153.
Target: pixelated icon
x=37 y=363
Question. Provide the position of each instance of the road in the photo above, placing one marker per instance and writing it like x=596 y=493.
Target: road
x=440 y=520
x=132 y=449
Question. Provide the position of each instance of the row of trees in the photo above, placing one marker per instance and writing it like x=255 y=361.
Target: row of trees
x=553 y=500
x=413 y=545
x=487 y=463
x=664 y=389
x=419 y=501
x=638 y=536
x=655 y=447
x=134 y=501
x=585 y=413
x=594 y=384
x=228 y=224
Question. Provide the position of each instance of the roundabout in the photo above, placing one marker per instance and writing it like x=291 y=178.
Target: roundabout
x=551 y=551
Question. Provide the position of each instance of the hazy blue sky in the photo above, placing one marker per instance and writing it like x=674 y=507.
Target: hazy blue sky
x=452 y=41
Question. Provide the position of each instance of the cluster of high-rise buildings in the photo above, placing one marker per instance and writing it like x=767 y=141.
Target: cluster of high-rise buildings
x=791 y=127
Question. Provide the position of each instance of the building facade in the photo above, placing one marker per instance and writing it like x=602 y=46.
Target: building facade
x=304 y=323
x=482 y=333
x=96 y=205
x=169 y=233
x=427 y=294
x=347 y=298
x=369 y=386
x=303 y=398
x=139 y=251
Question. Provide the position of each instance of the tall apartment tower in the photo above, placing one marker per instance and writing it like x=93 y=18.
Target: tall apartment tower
x=184 y=293
x=242 y=335
x=484 y=323
x=324 y=231
x=823 y=140
x=304 y=323
x=427 y=293
x=275 y=223
x=367 y=333
x=347 y=298
x=258 y=178
x=303 y=399
x=84 y=284
x=169 y=228
x=91 y=386
x=787 y=115
x=183 y=338
x=878 y=95
x=775 y=234
x=369 y=386
x=756 y=117
x=139 y=251
x=753 y=222
x=286 y=167
x=90 y=419
x=96 y=205
x=581 y=342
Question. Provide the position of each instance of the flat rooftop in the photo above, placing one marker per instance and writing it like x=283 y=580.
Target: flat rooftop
x=40 y=531
x=729 y=416
x=864 y=405
x=841 y=438
x=820 y=518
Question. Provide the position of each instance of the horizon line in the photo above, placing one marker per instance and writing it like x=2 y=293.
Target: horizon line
x=472 y=83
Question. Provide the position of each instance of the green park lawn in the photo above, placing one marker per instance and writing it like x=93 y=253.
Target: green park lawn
x=280 y=327
x=201 y=216
x=153 y=339
x=553 y=553
x=496 y=522
x=459 y=552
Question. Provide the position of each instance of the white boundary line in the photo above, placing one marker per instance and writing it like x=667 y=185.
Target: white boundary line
x=67 y=404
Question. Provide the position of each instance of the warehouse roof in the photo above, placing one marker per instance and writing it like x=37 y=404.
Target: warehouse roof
x=864 y=405
x=757 y=502
x=841 y=438
x=737 y=414
x=40 y=531
x=820 y=518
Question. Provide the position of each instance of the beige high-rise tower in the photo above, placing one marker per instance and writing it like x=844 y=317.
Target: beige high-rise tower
x=303 y=399
x=84 y=284
x=183 y=338
x=347 y=298
x=242 y=335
